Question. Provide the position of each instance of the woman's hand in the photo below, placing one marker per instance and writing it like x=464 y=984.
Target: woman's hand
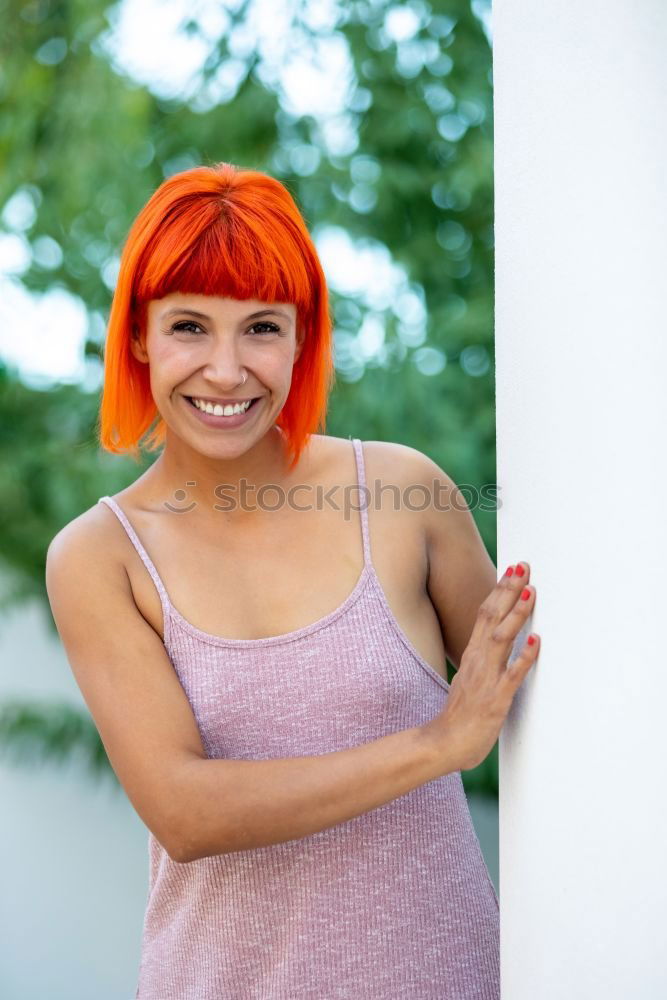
x=482 y=691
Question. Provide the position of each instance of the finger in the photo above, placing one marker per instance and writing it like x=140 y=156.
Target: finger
x=502 y=598
x=520 y=666
x=509 y=588
x=508 y=629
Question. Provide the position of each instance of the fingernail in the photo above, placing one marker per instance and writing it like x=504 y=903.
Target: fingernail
x=525 y=594
x=520 y=570
x=509 y=571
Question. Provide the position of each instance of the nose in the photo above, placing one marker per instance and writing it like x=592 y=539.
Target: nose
x=224 y=365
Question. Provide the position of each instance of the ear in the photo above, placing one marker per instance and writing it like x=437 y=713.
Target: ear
x=137 y=345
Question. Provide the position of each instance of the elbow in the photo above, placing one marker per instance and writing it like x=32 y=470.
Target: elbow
x=181 y=845
x=180 y=854
x=189 y=847
x=176 y=840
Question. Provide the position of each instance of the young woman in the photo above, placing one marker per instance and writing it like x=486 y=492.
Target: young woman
x=259 y=626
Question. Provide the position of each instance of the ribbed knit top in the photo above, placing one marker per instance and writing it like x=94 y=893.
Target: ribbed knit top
x=395 y=903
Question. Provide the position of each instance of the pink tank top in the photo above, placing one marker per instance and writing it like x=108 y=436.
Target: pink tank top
x=393 y=904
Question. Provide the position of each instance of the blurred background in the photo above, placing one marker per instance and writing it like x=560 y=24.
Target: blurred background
x=378 y=118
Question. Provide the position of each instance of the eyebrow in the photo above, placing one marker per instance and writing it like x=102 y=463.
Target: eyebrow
x=201 y=315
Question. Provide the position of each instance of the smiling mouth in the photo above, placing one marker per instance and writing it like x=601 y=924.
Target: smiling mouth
x=190 y=400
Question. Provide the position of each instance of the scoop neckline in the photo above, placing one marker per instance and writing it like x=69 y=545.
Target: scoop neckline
x=368 y=575
x=283 y=637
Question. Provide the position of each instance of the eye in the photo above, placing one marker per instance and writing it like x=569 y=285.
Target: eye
x=274 y=328
x=179 y=326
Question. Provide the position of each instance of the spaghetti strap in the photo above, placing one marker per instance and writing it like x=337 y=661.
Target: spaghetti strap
x=364 y=500
x=146 y=559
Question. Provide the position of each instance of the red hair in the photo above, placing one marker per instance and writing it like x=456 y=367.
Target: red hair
x=216 y=230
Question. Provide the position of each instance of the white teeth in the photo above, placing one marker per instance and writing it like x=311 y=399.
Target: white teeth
x=218 y=410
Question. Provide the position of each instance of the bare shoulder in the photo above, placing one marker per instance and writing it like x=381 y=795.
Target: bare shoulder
x=435 y=489
x=90 y=538
x=398 y=462
x=84 y=566
x=417 y=482
x=389 y=460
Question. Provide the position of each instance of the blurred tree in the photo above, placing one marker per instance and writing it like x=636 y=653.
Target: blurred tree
x=404 y=168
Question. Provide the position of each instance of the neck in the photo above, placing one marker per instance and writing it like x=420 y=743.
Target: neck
x=212 y=488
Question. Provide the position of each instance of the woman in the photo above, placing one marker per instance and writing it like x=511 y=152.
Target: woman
x=297 y=767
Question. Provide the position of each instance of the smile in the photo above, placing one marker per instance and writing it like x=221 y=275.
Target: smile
x=220 y=409
x=215 y=415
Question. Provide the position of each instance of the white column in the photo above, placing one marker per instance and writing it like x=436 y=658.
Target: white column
x=581 y=367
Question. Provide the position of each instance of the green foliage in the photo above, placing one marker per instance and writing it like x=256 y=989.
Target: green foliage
x=33 y=734
x=89 y=146
x=50 y=462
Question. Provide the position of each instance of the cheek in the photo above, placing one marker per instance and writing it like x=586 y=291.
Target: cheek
x=172 y=363
x=288 y=355
x=272 y=366
x=280 y=365
x=169 y=364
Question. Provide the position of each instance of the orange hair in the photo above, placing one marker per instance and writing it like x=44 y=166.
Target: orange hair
x=216 y=230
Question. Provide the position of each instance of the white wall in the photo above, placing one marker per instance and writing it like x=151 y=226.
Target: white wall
x=581 y=351
x=75 y=862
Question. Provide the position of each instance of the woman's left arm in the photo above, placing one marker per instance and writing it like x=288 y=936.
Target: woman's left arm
x=461 y=574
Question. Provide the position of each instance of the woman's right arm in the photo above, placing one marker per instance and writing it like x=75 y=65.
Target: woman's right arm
x=197 y=807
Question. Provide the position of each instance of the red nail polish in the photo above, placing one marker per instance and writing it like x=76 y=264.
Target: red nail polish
x=520 y=570
x=509 y=571
x=531 y=640
x=525 y=594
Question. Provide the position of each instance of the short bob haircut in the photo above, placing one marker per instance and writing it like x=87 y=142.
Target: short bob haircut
x=224 y=231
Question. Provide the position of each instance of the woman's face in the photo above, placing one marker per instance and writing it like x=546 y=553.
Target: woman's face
x=202 y=347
